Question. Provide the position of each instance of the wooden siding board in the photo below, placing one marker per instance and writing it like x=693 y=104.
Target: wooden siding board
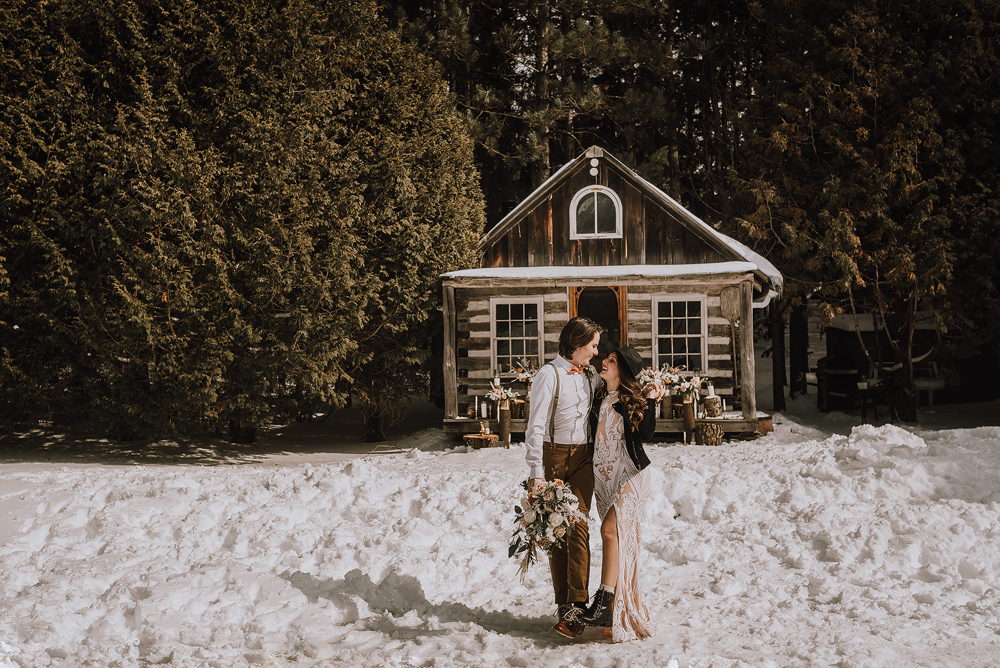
x=469 y=327
x=500 y=252
x=654 y=234
x=519 y=245
x=634 y=233
x=469 y=295
x=559 y=229
x=537 y=243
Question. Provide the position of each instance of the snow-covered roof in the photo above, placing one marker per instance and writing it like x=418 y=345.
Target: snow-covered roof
x=612 y=272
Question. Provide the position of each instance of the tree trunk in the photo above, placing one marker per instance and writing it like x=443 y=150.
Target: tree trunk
x=904 y=394
x=798 y=348
x=543 y=164
x=778 y=355
x=374 y=428
x=241 y=433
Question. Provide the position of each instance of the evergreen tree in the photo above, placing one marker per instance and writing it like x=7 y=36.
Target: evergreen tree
x=854 y=166
x=539 y=82
x=217 y=215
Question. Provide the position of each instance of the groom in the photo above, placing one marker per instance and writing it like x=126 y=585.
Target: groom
x=557 y=438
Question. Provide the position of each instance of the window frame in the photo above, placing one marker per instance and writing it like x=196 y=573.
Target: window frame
x=494 y=301
x=659 y=299
x=583 y=192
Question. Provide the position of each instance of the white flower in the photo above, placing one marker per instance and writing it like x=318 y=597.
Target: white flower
x=529 y=517
x=555 y=519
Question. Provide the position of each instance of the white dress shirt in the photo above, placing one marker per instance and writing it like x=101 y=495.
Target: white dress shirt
x=575 y=394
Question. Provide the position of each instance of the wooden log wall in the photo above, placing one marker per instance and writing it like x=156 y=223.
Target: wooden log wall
x=474 y=362
x=719 y=360
x=472 y=334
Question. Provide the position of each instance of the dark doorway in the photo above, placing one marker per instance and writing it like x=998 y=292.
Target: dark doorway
x=601 y=306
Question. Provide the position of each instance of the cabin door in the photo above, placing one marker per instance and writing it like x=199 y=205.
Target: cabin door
x=607 y=306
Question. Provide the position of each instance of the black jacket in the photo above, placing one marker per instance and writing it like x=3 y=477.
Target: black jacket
x=633 y=438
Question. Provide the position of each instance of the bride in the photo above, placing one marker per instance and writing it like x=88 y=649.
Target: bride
x=622 y=417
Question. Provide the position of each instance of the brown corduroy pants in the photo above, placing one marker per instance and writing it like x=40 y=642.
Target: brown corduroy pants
x=570 y=565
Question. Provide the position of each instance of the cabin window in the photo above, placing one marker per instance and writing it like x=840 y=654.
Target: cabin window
x=679 y=331
x=595 y=213
x=516 y=332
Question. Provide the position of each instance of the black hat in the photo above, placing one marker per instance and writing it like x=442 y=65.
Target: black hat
x=628 y=359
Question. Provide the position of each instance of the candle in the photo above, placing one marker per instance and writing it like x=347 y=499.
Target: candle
x=483 y=410
x=711 y=390
x=477 y=406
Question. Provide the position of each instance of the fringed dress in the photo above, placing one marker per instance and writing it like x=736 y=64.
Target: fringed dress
x=618 y=481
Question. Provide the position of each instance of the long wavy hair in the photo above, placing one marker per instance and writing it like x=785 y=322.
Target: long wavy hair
x=629 y=393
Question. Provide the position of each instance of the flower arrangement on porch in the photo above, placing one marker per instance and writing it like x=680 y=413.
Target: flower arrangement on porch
x=501 y=394
x=686 y=385
x=673 y=378
x=524 y=372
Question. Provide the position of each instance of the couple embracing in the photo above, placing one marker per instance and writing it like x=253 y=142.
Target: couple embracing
x=586 y=429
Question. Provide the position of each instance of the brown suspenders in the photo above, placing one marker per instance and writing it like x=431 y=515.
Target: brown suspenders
x=555 y=400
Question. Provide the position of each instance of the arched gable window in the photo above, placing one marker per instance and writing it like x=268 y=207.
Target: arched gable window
x=595 y=213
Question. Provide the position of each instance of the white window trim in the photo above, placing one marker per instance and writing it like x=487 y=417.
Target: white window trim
x=618 y=213
x=540 y=302
x=662 y=298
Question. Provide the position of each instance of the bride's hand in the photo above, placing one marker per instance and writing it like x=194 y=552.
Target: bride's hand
x=654 y=391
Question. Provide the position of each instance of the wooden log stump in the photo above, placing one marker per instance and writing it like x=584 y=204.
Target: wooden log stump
x=687 y=412
x=478 y=441
x=708 y=433
x=765 y=425
x=504 y=425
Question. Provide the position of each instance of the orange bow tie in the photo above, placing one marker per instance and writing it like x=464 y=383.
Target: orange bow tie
x=577 y=369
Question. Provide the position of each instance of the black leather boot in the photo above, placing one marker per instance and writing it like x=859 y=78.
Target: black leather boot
x=600 y=611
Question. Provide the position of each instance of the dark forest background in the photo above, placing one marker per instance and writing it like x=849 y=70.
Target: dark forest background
x=220 y=215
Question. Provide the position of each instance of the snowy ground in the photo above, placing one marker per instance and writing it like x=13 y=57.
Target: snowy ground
x=826 y=543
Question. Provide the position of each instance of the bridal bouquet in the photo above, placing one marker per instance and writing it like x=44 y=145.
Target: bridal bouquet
x=544 y=521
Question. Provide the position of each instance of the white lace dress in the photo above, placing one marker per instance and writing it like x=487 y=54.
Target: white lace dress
x=617 y=481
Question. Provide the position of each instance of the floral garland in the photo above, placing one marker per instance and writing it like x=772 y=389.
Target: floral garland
x=545 y=520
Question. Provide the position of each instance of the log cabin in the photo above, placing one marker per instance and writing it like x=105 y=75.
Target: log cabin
x=598 y=240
